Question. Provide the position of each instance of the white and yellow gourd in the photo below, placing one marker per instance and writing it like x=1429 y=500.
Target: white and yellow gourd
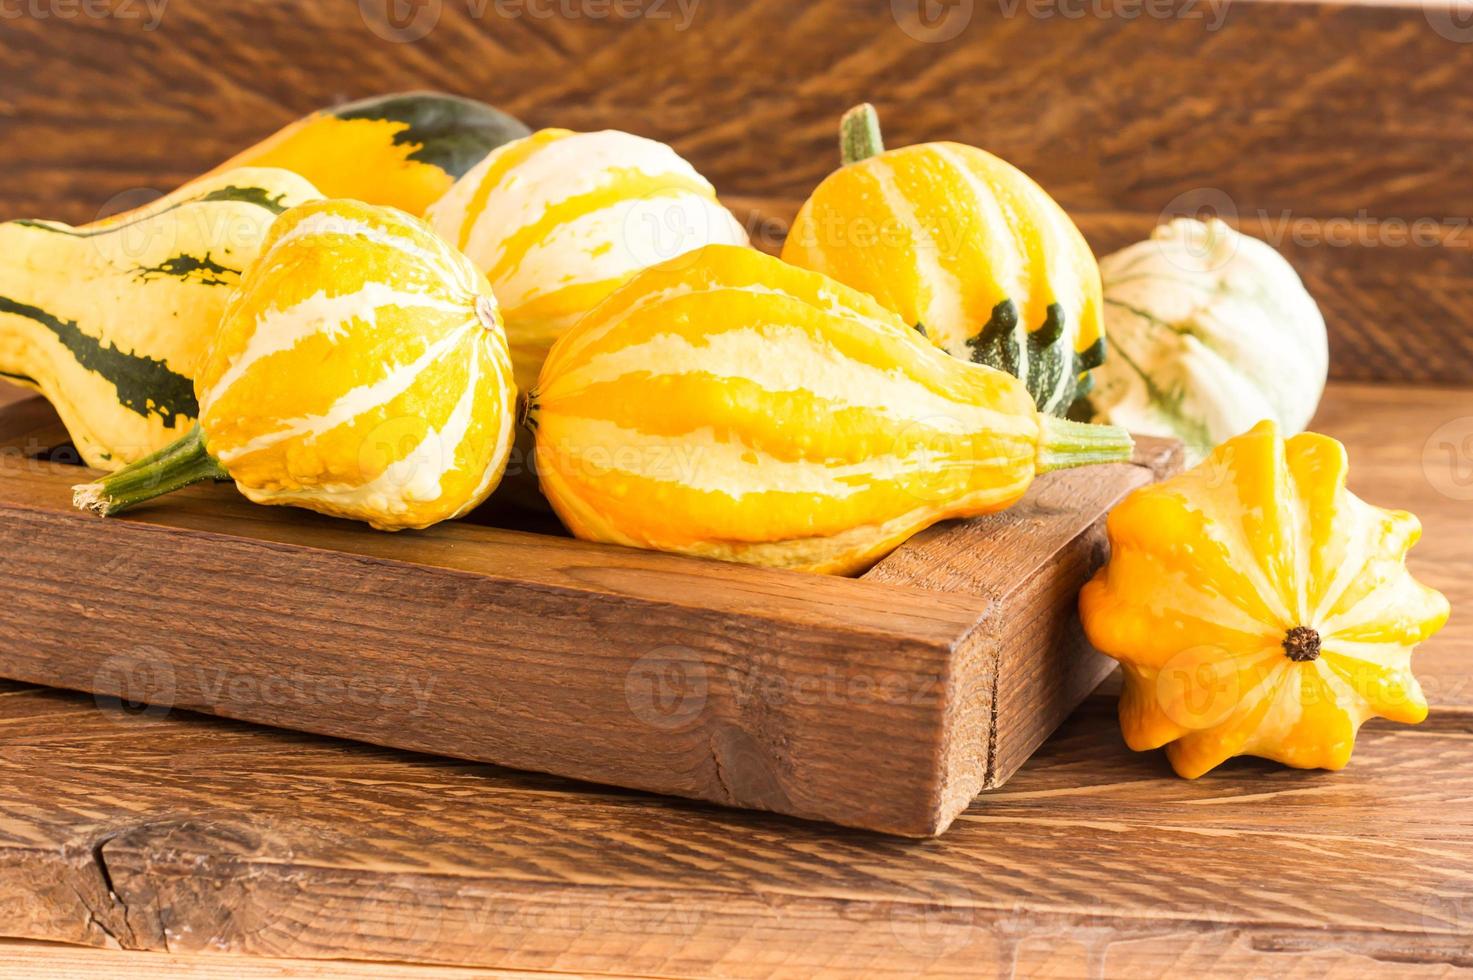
x=360 y=371
x=110 y=324
x=729 y=405
x=559 y=220
x=1210 y=331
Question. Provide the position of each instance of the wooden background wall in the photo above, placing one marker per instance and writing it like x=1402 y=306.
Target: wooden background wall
x=1333 y=130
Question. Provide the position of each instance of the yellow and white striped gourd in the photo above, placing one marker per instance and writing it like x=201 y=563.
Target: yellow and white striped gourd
x=360 y=371
x=729 y=405
x=110 y=323
x=965 y=247
x=559 y=220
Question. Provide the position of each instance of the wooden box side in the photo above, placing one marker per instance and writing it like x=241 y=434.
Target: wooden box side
x=1026 y=665
x=744 y=686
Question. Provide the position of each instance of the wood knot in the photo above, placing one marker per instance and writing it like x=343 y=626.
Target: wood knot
x=1302 y=644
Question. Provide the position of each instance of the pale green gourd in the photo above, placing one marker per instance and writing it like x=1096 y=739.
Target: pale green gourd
x=1210 y=331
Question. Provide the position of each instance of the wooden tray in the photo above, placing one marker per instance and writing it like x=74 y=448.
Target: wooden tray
x=885 y=702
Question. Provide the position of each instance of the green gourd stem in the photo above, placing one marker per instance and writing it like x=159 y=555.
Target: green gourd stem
x=1065 y=444
x=171 y=468
x=859 y=135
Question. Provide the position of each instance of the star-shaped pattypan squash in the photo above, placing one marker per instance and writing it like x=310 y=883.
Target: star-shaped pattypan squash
x=1257 y=607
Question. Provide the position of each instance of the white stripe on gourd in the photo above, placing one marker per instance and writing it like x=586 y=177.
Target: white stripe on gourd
x=280 y=331
x=400 y=410
x=729 y=405
x=560 y=219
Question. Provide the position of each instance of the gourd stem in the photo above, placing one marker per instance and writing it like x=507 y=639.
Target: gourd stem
x=859 y=135
x=1064 y=444
x=171 y=468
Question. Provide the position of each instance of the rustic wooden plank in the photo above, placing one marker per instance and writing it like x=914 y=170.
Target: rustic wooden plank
x=217 y=837
x=1331 y=109
x=20 y=960
x=538 y=652
x=1092 y=859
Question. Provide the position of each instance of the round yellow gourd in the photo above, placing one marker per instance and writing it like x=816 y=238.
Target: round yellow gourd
x=559 y=220
x=360 y=371
x=1257 y=607
x=729 y=405
x=965 y=247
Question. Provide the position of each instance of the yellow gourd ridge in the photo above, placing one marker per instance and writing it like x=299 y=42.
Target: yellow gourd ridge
x=1257 y=607
x=964 y=247
x=359 y=371
x=559 y=220
x=402 y=150
x=111 y=323
x=729 y=405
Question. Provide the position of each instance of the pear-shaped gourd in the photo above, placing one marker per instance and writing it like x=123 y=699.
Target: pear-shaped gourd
x=730 y=405
x=559 y=220
x=965 y=247
x=402 y=150
x=111 y=323
x=359 y=371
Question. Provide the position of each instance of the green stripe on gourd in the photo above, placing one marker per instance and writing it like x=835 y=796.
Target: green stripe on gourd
x=259 y=196
x=144 y=385
x=205 y=271
x=109 y=322
x=450 y=132
x=1044 y=359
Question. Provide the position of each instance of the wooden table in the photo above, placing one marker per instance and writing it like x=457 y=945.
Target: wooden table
x=178 y=842
x=195 y=839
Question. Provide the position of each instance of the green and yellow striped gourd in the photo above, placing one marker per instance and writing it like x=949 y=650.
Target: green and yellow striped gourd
x=402 y=150
x=967 y=249
x=110 y=323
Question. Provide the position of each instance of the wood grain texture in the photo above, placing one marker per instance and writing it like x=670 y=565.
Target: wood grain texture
x=197 y=835
x=1275 y=105
x=751 y=687
x=21 y=960
x=1340 y=133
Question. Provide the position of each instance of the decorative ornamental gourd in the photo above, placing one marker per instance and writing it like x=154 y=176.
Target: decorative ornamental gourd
x=1257 y=607
x=110 y=324
x=359 y=371
x=964 y=247
x=730 y=405
x=402 y=150
x=559 y=220
x=1210 y=331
